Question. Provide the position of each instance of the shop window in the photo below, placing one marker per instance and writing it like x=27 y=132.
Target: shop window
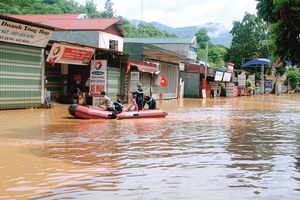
x=113 y=44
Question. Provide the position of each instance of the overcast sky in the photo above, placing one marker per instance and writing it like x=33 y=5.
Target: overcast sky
x=182 y=13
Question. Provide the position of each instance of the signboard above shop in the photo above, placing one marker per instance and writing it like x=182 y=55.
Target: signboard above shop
x=68 y=54
x=24 y=34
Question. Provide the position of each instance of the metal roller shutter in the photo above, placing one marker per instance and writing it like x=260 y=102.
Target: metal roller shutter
x=113 y=81
x=20 y=76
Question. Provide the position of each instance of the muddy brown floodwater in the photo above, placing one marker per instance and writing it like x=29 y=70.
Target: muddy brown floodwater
x=214 y=149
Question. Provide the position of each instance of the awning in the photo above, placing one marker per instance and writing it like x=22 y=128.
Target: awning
x=256 y=63
x=143 y=66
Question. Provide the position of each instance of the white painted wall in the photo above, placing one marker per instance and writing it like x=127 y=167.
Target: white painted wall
x=104 y=40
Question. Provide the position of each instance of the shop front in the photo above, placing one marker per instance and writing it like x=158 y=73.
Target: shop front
x=77 y=73
x=22 y=46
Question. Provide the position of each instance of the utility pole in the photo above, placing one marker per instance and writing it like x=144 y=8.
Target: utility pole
x=141 y=24
x=206 y=60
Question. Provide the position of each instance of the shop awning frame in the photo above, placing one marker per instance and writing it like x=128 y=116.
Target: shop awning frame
x=144 y=66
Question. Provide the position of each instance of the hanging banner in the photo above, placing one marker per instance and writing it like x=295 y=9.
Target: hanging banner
x=268 y=86
x=98 y=77
x=17 y=33
x=68 y=54
x=227 y=76
x=242 y=80
x=218 y=76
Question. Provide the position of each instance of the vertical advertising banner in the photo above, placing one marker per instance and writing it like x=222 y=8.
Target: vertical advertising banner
x=242 y=80
x=98 y=77
x=135 y=77
x=230 y=67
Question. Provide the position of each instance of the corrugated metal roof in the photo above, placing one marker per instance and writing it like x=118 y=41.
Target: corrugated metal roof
x=31 y=23
x=83 y=24
x=70 y=22
x=42 y=17
x=187 y=40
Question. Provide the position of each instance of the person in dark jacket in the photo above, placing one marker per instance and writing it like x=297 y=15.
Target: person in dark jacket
x=118 y=104
x=150 y=101
x=139 y=94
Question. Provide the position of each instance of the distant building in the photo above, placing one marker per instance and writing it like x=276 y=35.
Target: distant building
x=183 y=46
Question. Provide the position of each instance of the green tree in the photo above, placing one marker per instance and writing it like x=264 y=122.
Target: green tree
x=284 y=19
x=216 y=55
x=202 y=38
x=250 y=40
x=293 y=78
x=91 y=9
x=108 y=11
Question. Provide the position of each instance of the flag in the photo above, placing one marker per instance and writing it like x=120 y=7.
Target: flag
x=277 y=64
x=163 y=81
x=127 y=68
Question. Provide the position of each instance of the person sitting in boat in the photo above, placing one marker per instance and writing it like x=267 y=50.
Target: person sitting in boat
x=118 y=104
x=150 y=101
x=133 y=105
x=139 y=95
x=105 y=102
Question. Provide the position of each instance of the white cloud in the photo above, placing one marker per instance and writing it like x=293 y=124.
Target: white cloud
x=182 y=13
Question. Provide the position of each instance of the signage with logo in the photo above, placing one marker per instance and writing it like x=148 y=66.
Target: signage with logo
x=18 y=33
x=98 y=77
x=68 y=54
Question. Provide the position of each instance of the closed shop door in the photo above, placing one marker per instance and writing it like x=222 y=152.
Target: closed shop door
x=20 y=76
x=191 y=84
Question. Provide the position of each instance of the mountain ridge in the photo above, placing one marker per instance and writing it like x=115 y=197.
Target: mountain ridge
x=217 y=33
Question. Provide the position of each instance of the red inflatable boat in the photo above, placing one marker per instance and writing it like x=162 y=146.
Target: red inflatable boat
x=86 y=112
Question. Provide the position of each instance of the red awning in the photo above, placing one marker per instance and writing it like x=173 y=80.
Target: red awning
x=144 y=66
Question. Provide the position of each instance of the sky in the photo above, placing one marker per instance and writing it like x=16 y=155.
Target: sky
x=181 y=13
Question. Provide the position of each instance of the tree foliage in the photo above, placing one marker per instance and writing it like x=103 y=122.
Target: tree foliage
x=108 y=11
x=70 y=6
x=250 y=40
x=293 y=78
x=40 y=7
x=284 y=19
x=216 y=53
x=202 y=38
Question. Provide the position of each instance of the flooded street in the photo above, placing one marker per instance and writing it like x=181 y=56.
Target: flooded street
x=214 y=149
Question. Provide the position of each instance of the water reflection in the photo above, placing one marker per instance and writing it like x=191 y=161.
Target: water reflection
x=226 y=148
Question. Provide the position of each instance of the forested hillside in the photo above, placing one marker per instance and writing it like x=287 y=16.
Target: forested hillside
x=71 y=6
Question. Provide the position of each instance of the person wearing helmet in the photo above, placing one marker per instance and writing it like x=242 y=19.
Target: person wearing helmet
x=150 y=101
x=118 y=104
x=139 y=94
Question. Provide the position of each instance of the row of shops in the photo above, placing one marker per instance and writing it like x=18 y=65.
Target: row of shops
x=34 y=65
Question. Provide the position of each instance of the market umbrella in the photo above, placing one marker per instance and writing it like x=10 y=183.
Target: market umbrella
x=259 y=62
